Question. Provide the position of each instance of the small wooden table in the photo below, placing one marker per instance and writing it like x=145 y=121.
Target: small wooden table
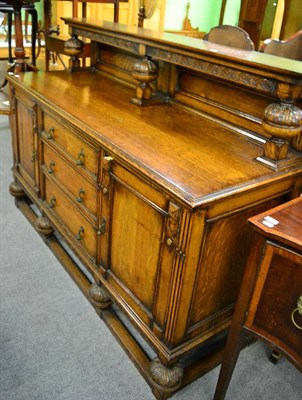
x=20 y=64
x=269 y=305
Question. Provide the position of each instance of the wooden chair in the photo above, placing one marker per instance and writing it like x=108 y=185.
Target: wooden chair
x=289 y=48
x=232 y=36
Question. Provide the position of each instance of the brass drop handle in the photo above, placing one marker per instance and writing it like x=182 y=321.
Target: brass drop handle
x=169 y=242
x=105 y=191
x=298 y=310
x=80 y=234
x=51 y=167
x=81 y=158
x=108 y=159
x=52 y=202
x=34 y=156
x=81 y=195
x=50 y=133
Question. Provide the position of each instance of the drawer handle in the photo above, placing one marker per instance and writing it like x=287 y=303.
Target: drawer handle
x=50 y=133
x=299 y=311
x=51 y=167
x=34 y=156
x=81 y=158
x=80 y=234
x=52 y=202
x=81 y=195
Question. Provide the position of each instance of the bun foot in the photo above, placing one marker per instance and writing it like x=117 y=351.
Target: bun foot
x=99 y=297
x=43 y=226
x=165 y=379
x=16 y=190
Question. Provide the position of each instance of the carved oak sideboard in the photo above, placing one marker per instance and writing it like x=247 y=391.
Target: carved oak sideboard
x=141 y=171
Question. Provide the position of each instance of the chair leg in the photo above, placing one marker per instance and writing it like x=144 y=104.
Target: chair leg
x=34 y=27
x=26 y=26
x=9 y=33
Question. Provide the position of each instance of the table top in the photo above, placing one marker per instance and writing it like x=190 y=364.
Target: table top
x=283 y=223
x=198 y=159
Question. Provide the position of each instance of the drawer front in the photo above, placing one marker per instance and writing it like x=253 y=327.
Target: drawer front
x=83 y=234
x=81 y=152
x=82 y=190
x=275 y=298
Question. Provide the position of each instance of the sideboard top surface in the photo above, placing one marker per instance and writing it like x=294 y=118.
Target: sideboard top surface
x=198 y=159
x=267 y=63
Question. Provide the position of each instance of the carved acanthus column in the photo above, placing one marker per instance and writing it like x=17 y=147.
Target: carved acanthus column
x=283 y=121
x=74 y=47
x=146 y=71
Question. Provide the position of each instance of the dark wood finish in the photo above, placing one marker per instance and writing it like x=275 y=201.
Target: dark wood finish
x=29 y=9
x=153 y=200
x=251 y=17
x=232 y=36
x=17 y=6
x=271 y=287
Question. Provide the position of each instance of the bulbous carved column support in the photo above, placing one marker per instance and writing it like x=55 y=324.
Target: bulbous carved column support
x=16 y=190
x=283 y=121
x=165 y=379
x=42 y=224
x=99 y=297
x=74 y=47
x=145 y=71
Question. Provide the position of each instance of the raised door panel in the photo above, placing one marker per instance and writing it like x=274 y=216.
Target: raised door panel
x=25 y=138
x=221 y=264
x=134 y=251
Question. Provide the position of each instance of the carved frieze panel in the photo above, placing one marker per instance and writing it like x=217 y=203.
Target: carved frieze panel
x=230 y=74
x=128 y=45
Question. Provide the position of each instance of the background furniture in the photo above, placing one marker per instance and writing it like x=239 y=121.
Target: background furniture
x=29 y=7
x=187 y=29
x=269 y=305
x=232 y=36
x=289 y=48
x=54 y=43
x=158 y=231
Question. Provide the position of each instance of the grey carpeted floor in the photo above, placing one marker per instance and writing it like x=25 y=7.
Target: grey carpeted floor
x=55 y=347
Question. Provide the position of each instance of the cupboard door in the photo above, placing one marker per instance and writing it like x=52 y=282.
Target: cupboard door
x=25 y=138
x=136 y=249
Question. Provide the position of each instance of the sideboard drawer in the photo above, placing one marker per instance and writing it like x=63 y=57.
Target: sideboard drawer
x=83 y=153
x=83 y=234
x=82 y=190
